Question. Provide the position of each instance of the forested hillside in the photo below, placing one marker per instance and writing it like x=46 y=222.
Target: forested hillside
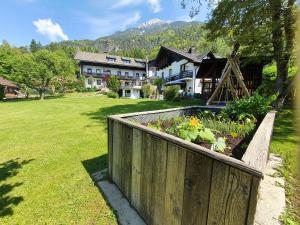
x=145 y=40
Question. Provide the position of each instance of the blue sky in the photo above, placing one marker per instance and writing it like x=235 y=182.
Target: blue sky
x=56 y=20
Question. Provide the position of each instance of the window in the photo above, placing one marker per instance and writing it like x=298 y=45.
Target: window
x=144 y=75
x=98 y=82
x=126 y=73
x=126 y=61
x=89 y=70
x=119 y=73
x=137 y=75
x=107 y=72
x=111 y=59
x=127 y=93
x=170 y=72
x=98 y=71
x=90 y=81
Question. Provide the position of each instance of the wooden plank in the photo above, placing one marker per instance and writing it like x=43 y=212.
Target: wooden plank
x=110 y=147
x=229 y=195
x=174 y=184
x=239 y=76
x=194 y=147
x=136 y=168
x=253 y=200
x=225 y=74
x=117 y=135
x=127 y=160
x=146 y=178
x=257 y=152
x=197 y=189
x=159 y=148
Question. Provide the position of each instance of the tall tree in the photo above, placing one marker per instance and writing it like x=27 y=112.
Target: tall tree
x=262 y=27
x=34 y=46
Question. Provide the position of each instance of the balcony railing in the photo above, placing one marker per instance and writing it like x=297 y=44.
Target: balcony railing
x=181 y=75
x=105 y=74
x=132 y=84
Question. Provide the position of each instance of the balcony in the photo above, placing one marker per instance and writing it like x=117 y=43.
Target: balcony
x=105 y=74
x=188 y=74
x=135 y=85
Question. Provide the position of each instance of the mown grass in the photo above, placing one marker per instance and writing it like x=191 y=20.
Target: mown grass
x=49 y=149
x=285 y=143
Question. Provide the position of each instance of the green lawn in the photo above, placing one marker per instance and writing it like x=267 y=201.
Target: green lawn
x=285 y=143
x=48 y=149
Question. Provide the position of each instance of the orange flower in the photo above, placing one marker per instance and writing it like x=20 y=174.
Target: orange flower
x=194 y=122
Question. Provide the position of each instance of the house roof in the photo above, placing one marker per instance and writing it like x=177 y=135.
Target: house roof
x=103 y=59
x=7 y=83
x=194 y=57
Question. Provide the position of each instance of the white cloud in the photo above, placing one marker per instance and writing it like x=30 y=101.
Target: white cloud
x=105 y=25
x=51 y=30
x=154 y=4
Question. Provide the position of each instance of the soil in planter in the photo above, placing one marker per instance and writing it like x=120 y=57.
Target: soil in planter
x=235 y=146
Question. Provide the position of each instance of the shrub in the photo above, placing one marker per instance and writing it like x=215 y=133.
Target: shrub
x=255 y=105
x=2 y=95
x=112 y=94
x=146 y=90
x=171 y=93
x=113 y=83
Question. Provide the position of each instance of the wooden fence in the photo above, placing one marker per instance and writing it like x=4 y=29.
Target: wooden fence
x=170 y=181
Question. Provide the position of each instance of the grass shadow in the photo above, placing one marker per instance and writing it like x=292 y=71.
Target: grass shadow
x=9 y=169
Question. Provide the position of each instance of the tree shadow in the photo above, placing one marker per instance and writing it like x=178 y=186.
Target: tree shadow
x=9 y=169
x=95 y=165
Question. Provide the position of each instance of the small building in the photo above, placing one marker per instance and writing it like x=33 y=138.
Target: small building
x=11 y=90
x=199 y=74
x=97 y=67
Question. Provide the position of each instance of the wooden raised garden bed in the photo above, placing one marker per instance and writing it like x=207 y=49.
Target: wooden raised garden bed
x=170 y=181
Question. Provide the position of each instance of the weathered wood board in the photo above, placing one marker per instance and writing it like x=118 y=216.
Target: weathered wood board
x=172 y=182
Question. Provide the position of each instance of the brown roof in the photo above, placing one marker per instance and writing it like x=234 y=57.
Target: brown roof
x=103 y=59
x=7 y=83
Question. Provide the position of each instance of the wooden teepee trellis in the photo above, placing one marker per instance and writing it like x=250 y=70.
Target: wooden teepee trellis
x=231 y=68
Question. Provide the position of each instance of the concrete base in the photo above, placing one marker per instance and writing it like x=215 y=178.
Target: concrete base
x=125 y=213
x=271 y=202
x=270 y=206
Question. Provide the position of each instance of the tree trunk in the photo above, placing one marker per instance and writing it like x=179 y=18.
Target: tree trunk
x=286 y=89
x=42 y=94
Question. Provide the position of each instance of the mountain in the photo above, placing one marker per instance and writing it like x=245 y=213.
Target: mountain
x=145 y=39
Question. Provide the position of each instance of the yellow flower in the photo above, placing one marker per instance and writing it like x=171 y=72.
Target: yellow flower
x=233 y=134
x=194 y=122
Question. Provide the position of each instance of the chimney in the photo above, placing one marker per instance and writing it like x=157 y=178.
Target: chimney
x=192 y=50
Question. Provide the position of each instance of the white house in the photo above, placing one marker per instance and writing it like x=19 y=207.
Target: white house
x=178 y=67
x=96 y=68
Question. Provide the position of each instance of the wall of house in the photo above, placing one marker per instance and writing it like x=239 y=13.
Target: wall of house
x=134 y=93
x=175 y=66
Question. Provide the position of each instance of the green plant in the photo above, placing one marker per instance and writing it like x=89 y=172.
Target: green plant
x=171 y=92
x=2 y=94
x=234 y=128
x=113 y=83
x=207 y=135
x=112 y=94
x=156 y=125
x=255 y=105
x=219 y=145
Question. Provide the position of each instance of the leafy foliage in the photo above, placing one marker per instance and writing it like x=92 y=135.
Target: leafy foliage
x=38 y=70
x=112 y=94
x=255 y=106
x=171 y=92
x=146 y=90
x=113 y=83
